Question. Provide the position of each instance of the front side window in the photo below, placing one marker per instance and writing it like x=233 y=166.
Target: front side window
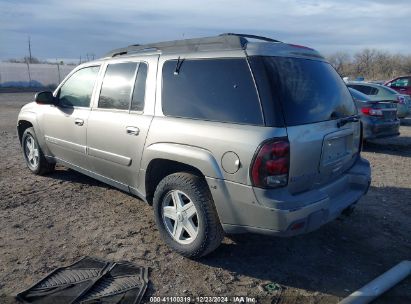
x=117 y=86
x=77 y=90
x=211 y=89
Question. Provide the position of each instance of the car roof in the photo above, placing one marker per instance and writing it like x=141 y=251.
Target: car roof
x=370 y=84
x=402 y=76
x=365 y=83
x=252 y=44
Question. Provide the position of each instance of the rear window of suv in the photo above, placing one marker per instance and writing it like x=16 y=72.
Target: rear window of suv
x=309 y=91
x=211 y=89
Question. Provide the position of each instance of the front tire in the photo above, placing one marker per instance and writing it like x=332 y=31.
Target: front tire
x=33 y=154
x=185 y=215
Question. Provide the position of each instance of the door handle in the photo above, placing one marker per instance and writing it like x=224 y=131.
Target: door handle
x=132 y=131
x=79 y=121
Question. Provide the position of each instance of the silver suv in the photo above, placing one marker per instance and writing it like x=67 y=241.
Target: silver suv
x=228 y=134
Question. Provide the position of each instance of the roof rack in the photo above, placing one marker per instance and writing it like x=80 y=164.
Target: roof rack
x=226 y=41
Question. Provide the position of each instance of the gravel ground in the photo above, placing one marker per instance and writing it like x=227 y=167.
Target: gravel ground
x=51 y=221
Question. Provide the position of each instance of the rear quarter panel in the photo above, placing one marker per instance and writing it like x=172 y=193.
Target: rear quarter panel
x=197 y=138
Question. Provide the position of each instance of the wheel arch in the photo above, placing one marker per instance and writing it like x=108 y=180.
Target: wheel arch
x=23 y=125
x=28 y=119
x=160 y=160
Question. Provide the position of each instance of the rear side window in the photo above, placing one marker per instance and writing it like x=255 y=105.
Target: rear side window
x=309 y=91
x=137 y=102
x=211 y=89
x=117 y=86
x=367 y=90
x=358 y=95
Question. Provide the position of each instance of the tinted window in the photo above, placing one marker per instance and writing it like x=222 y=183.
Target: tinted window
x=137 y=102
x=211 y=89
x=368 y=90
x=358 y=95
x=77 y=90
x=117 y=85
x=308 y=90
x=373 y=91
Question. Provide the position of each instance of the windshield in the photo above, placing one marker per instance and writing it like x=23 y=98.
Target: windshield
x=309 y=91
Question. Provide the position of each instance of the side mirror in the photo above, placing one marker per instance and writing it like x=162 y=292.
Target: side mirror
x=45 y=97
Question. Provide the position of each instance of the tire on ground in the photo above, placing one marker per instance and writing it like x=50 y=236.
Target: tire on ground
x=43 y=166
x=210 y=233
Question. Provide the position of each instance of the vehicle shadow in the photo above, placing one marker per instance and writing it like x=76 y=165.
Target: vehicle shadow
x=406 y=121
x=339 y=258
x=400 y=146
x=68 y=175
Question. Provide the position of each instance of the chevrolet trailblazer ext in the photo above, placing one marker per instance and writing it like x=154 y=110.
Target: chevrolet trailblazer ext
x=228 y=134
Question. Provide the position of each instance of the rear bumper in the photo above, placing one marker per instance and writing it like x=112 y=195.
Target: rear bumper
x=403 y=110
x=380 y=129
x=243 y=208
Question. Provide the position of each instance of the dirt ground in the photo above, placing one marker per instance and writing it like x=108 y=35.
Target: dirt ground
x=52 y=221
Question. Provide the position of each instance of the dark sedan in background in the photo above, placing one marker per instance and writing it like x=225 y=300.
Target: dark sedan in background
x=379 y=118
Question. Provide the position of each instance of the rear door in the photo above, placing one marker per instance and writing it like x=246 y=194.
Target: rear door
x=118 y=124
x=314 y=101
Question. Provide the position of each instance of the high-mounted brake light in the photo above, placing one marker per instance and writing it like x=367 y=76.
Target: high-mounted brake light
x=271 y=164
x=372 y=112
x=300 y=46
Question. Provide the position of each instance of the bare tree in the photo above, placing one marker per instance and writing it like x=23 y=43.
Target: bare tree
x=371 y=64
x=340 y=61
x=363 y=62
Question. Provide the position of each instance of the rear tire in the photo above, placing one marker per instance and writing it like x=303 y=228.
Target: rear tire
x=33 y=155
x=186 y=216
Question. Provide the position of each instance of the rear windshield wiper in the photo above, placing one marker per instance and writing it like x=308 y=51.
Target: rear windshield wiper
x=345 y=120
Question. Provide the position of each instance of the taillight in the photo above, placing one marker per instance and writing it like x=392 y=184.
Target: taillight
x=372 y=112
x=271 y=164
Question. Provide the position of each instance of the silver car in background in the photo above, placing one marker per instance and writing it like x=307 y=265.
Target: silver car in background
x=227 y=134
x=379 y=118
x=379 y=93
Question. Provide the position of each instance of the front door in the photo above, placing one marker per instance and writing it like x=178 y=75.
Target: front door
x=65 y=124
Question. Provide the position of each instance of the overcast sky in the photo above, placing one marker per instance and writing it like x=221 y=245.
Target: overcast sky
x=70 y=28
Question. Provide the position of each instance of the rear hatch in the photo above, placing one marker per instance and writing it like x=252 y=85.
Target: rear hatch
x=319 y=114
